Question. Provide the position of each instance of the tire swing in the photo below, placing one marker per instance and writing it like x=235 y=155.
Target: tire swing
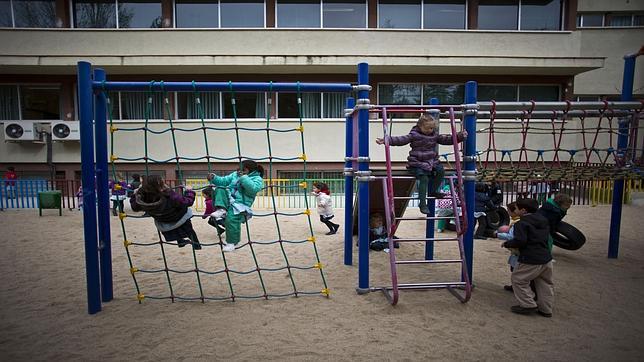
x=568 y=237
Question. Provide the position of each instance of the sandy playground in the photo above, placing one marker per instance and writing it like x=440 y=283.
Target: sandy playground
x=598 y=313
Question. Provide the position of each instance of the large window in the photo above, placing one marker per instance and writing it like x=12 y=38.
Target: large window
x=139 y=14
x=444 y=14
x=543 y=93
x=34 y=13
x=287 y=106
x=344 y=13
x=401 y=14
x=499 y=93
x=298 y=13
x=29 y=102
x=404 y=94
x=207 y=105
x=498 y=14
x=242 y=13
x=6 y=17
x=445 y=93
x=247 y=105
x=94 y=14
x=197 y=13
x=590 y=20
x=136 y=106
x=541 y=14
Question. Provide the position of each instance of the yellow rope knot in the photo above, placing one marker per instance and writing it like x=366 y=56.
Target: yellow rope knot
x=303 y=184
x=303 y=157
x=317 y=266
x=311 y=239
x=113 y=158
x=307 y=212
x=126 y=243
x=325 y=292
x=113 y=129
x=300 y=129
x=117 y=187
x=140 y=297
x=133 y=270
x=122 y=215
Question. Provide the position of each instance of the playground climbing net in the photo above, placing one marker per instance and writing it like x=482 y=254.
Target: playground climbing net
x=288 y=270
x=559 y=141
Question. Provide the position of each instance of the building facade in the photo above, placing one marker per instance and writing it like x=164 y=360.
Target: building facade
x=518 y=50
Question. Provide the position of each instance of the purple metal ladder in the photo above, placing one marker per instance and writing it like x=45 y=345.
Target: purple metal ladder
x=462 y=289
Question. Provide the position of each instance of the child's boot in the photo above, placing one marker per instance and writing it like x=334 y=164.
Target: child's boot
x=422 y=195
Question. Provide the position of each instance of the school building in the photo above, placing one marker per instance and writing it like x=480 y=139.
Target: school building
x=517 y=50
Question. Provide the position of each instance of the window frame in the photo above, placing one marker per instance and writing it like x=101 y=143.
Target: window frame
x=19 y=93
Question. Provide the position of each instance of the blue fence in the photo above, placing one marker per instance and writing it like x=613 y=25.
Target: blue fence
x=21 y=194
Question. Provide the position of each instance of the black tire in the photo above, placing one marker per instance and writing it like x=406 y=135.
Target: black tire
x=568 y=237
x=493 y=219
x=504 y=216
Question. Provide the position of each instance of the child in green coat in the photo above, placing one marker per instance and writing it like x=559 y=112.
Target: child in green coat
x=236 y=192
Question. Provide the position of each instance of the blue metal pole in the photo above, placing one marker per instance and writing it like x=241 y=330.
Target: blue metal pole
x=363 y=186
x=348 y=186
x=622 y=143
x=85 y=107
x=429 y=225
x=469 y=175
x=104 y=239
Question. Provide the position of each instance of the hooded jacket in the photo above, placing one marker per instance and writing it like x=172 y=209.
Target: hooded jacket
x=242 y=189
x=166 y=207
x=424 y=148
x=531 y=235
x=553 y=212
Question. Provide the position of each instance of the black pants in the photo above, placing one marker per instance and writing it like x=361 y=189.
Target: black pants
x=483 y=229
x=326 y=220
x=116 y=203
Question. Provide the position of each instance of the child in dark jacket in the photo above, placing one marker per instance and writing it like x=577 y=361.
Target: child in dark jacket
x=535 y=261
x=423 y=160
x=170 y=210
x=482 y=204
x=555 y=210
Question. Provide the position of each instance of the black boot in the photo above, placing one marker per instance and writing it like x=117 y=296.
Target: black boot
x=422 y=194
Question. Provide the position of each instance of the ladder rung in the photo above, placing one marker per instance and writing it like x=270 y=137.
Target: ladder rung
x=426 y=218
x=430 y=285
x=444 y=261
x=424 y=239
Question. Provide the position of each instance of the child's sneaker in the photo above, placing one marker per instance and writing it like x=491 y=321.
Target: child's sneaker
x=228 y=247
x=183 y=242
x=196 y=245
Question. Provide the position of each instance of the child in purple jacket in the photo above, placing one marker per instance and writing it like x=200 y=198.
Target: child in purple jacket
x=423 y=160
x=170 y=210
x=118 y=190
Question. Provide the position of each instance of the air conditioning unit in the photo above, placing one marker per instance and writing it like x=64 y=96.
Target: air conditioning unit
x=65 y=131
x=19 y=131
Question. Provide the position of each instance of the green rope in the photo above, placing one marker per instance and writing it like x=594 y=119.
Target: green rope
x=201 y=112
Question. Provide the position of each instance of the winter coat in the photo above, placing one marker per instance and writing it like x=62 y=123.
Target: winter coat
x=166 y=207
x=242 y=189
x=424 y=148
x=553 y=212
x=325 y=204
x=531 y=236
x=482 y=202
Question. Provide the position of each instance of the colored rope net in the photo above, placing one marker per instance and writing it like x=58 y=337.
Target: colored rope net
x=218 y=277
x=559 y=146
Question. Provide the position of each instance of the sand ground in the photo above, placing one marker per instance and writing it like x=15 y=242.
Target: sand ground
x=43 y=312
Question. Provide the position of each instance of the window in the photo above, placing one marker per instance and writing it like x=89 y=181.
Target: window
x=242 y=13
x=9 y=102
x=541 y=14
x=334 y=104
x=344 y=13
x=34 y=13
x=499 y=93
x=638 y=20
x=542 y=93
x=6 y=20
x=40 y=102
x=188 y=108
x=498 y=14
x=444 y=14
x=619 y=20
x=446 y=93
x=197 y=13
x=139 y=14
x=287 y=106
x=136 y=105
x=399 y=94
x=247 y=105
x=94 y=14
x=589 y=20
x=298 y=13
x=401 y=14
